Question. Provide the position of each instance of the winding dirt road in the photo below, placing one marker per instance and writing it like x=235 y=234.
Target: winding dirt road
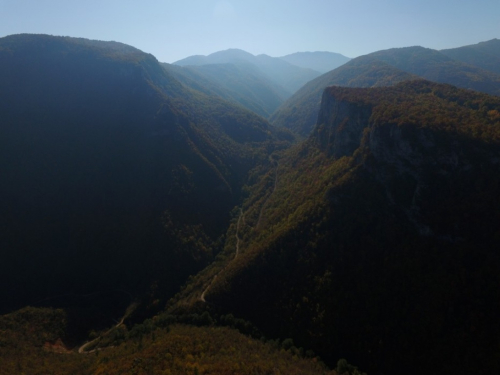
x=272 y=192
x=129 y=310
x=202 y=297
x=82 y=348
x=237 y=250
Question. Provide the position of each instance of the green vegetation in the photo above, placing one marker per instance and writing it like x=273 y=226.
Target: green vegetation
x=31 y=327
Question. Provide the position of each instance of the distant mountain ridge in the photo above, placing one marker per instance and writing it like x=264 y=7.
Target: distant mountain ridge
x=435 y=66
x=485 y=55
x=320 y=61
x=289 y=76
x=382 y=68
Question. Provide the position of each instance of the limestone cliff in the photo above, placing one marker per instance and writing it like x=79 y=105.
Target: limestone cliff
x=420 y=163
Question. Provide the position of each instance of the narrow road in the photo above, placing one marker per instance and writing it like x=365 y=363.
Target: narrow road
x=82 y=348
x=237 y=251
x=272 y=192
x=236 y=235
x=202 y=298
x=129 y=310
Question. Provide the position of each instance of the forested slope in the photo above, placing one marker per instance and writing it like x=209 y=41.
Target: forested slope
x=376 y=240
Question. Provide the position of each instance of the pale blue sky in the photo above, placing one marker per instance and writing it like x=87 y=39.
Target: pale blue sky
x=174 y=29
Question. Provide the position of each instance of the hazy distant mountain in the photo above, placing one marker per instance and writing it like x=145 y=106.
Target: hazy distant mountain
x=300 y=112
x=436 y=66
x=289 y=76
x=109 y=166
x=382 y=68
x=221 y=57
x=484 y=55
x=240 y=82
x=320 y=61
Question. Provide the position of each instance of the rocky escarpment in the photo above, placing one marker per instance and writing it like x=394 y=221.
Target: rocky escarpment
x=340 y=125
x=423 y=165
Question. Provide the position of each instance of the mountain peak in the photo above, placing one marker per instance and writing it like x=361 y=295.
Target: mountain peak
x=321 y=61
x=233 y=53
x=219 y=57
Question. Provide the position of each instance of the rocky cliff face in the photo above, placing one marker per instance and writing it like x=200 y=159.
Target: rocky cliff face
x=340 y=125
x=419 y=166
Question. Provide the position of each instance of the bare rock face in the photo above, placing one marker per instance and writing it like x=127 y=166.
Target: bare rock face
x=340 y=125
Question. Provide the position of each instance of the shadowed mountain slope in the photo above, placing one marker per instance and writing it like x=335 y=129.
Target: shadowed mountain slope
x=114 y=174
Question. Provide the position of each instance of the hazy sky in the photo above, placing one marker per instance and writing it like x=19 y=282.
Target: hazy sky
x=174 y=29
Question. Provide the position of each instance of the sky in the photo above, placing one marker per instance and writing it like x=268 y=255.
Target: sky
x=175 y=29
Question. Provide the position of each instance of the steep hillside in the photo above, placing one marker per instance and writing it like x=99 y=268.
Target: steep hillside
x=240 y=83
x=485 y=55
x=282 y=73
x=320 y=61
x=115 y=176
x=377 y=239
x=371 y=71
x=300 y=112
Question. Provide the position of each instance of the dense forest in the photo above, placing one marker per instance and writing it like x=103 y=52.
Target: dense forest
x=153 y=221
